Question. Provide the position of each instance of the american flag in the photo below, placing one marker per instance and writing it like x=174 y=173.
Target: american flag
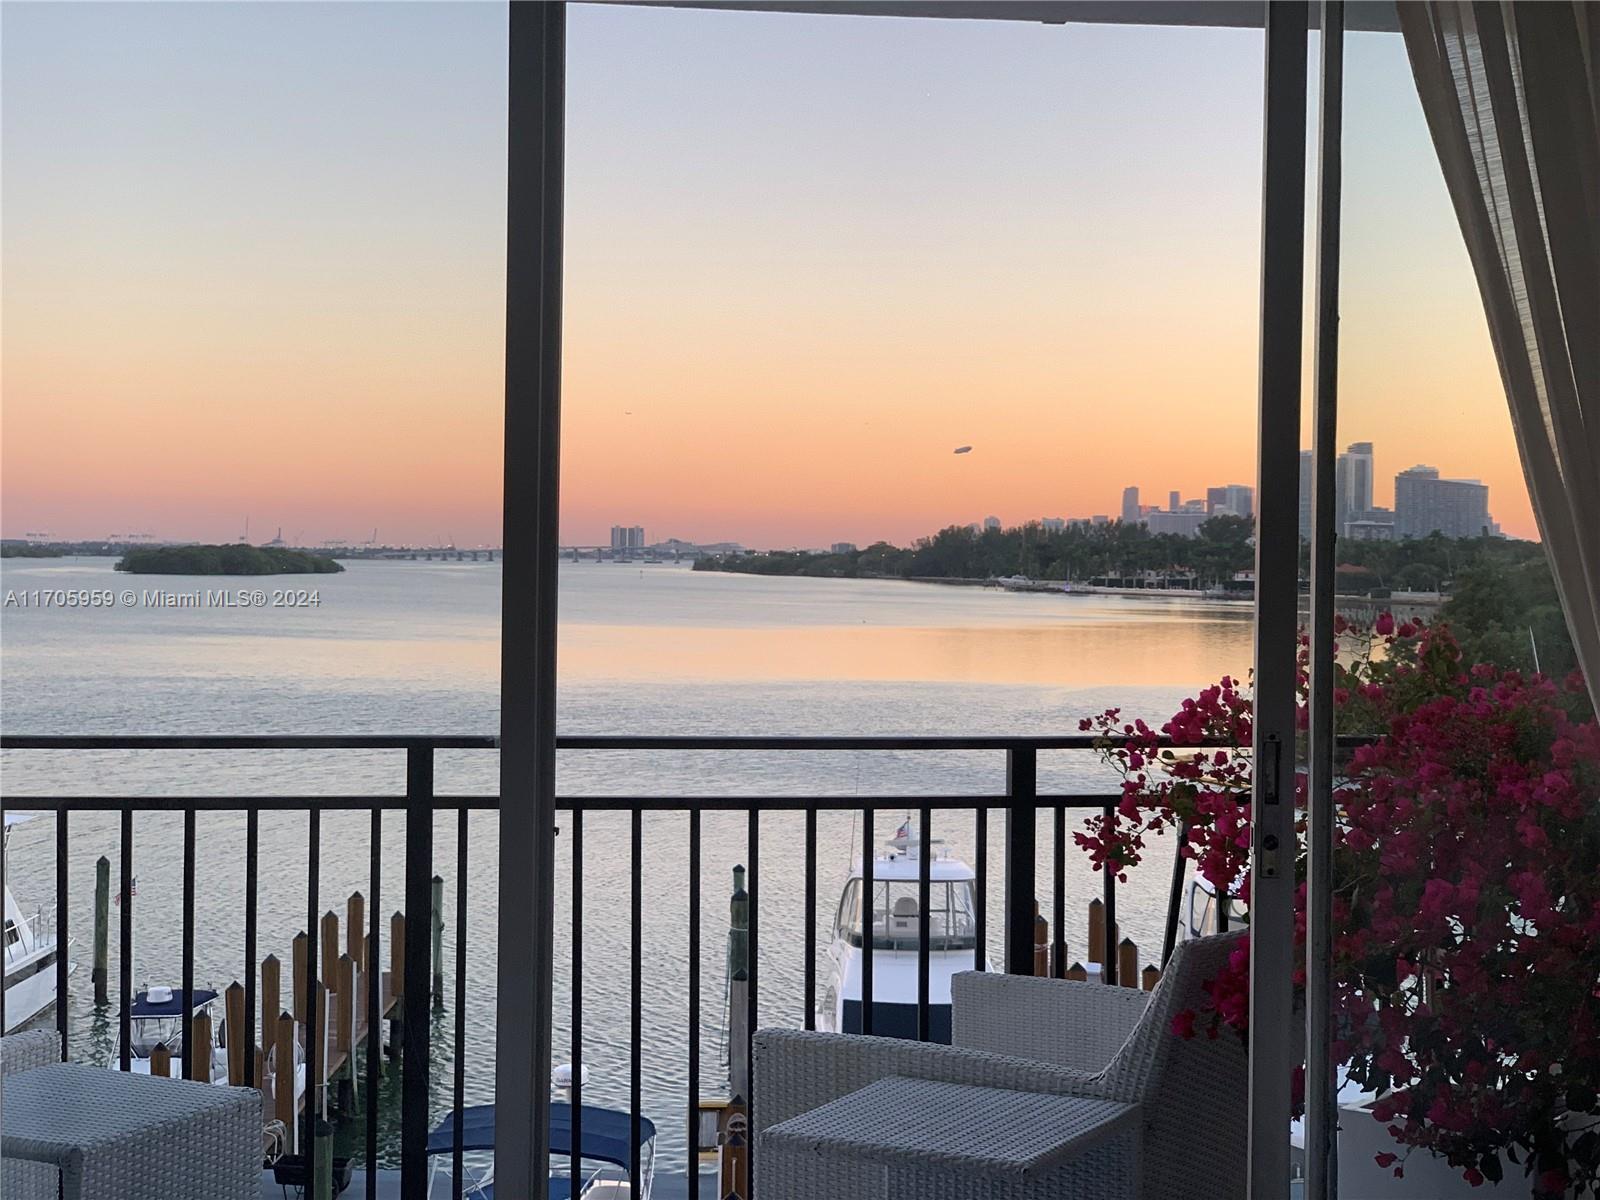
x=132 y=892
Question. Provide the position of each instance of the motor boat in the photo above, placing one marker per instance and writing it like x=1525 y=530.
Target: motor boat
x=606 y=1152
x=31 y=950
x=891 y=914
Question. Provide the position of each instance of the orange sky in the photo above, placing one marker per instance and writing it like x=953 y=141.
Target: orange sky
x=254 y=266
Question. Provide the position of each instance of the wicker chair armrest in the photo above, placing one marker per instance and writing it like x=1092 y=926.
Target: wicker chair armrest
x=25 y=1051
x=1080 y=1026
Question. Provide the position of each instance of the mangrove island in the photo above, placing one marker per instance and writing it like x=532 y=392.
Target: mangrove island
x=225 y=560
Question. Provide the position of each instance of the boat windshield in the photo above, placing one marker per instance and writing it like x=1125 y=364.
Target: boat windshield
x=952 y=922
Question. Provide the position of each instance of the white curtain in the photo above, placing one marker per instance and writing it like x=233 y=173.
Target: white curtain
x=1512 y=96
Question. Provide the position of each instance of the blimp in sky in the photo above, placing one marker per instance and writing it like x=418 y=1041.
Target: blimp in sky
x=963 y=449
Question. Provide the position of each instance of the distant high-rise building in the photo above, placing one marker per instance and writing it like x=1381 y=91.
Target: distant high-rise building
x=627 y=537
x=1173 y=503
x=1358 y=477
x=1184 y=523
x=991 y=523
x=1424 y=503
x=1230 y=500
x=1053 y=524
x=1130 y=505
x=842 y=548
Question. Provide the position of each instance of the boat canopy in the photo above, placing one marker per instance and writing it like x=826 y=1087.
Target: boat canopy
x=145 y=1008
x=605 y=1132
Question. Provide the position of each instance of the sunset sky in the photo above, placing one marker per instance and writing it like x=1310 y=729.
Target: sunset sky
x=253 y=266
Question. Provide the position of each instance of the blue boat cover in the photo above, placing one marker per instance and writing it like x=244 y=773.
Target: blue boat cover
x=143 y=1008
x=605 y=1132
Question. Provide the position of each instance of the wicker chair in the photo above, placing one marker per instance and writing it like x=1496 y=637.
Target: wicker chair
x=22 y=1052
x=1170 y=1121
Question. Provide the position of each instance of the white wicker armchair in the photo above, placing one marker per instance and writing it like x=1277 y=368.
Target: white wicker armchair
x=1012 y=1035
x=23 y=1052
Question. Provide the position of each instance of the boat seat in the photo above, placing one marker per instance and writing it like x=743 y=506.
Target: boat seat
x=903 y=920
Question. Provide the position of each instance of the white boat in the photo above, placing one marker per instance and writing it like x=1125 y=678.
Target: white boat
x=31 y=950
x=891 y=914
x=155 y=1019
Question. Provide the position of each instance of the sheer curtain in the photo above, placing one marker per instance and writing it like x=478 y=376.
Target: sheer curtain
x=1512 y=97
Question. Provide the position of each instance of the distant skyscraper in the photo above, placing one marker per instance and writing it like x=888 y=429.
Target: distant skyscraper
x=1424 y=503
x=991 y=523
x=1173 y=503
x=627 y=537
x=1053 y=524
x=1359 y=476
x=1130 y=505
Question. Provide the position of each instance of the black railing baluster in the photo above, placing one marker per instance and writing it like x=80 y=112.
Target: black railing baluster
x=374 y=1000
x=252 y=851
x=186 y=1022
x=1109 y=898
x=3 y=857
x=753 y=851
x=125 y=943
x=458 y=1124
x=924 y=900
x=61 y=932
x=1058 y=943
x=693 y=1163
x=576 y=1090
x=811 y=919
x=868 y=912
x=414 y=1067
x=1174 y=898
x=1022 y=791
x=636 y=980
x=980 y=886
x=314 y=1057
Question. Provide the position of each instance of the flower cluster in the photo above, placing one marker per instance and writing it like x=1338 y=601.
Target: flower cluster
x=1466 y=957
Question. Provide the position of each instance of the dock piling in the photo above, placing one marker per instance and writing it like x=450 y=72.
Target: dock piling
x=233 y=1023
x=299 y=956
x=102 y=926
x=438 y=942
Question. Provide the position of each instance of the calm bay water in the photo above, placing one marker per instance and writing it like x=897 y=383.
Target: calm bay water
x=414 y=648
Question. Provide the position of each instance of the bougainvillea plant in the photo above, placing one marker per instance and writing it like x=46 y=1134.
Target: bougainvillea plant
x=1466 y=956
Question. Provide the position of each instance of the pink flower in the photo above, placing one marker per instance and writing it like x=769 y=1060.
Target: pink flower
x=1384 y=625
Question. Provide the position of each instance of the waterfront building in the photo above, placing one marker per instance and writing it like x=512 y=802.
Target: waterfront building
x=1425 y=503
x=842 y=548
x=627 y=537
x=1185 y=522
x=1053 y=524
x=1131 y=511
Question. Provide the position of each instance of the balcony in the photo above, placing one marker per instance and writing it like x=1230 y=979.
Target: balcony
x=369 y=956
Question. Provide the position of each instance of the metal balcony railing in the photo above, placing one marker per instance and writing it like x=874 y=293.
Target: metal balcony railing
x=1019 y=805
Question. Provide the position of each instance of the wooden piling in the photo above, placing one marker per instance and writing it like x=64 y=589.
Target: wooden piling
x=329 y=949
x=397 y=983
x=1097 y=931
x=233 y=1023
x=283 y=1076
x=1077 y=972
x=102 y=927
x=438 y=942
x=1127 y=963
x=1151 y=977
x=1041 y=942
x=343 y=1039
x=201 y=1045
x=300 y=957
x=161 y=1062
x=355 y=926
x=734 y=1176
x=271 y=999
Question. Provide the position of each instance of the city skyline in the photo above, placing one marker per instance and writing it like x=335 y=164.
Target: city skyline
x=253 y=265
